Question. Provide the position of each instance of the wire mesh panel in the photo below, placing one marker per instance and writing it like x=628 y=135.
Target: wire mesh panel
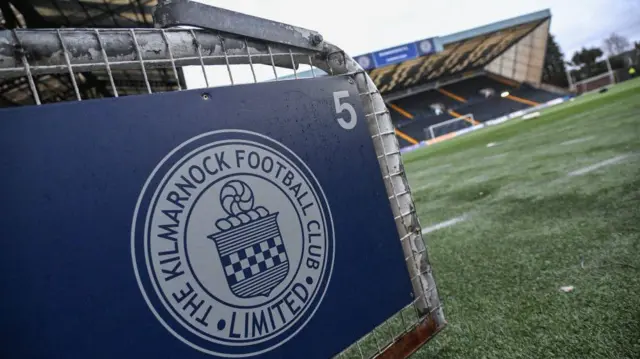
x=44 y=66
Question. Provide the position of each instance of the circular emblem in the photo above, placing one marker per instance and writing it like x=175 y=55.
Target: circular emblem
x=364 y=61
x=426 y=46
x=232 y=243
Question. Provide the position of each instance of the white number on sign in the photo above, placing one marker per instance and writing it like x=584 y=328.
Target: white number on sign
x=341 y=107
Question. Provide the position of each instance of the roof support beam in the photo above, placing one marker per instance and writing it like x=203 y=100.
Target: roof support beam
x=31 y=16
x=7 y=13
x=5 y=102
x=113 y=12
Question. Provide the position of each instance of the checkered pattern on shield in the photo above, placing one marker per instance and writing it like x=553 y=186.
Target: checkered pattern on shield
x=253 y=256
x=249 y=243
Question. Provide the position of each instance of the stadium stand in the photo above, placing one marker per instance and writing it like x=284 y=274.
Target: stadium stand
x=437 y=79
x=471 y=89
x=537 y=95
x=480 y=96
x=490 y=71
x=424 y=82
x=422 y=106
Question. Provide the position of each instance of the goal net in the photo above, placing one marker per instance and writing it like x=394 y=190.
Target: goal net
x=594 y=83
x=446 y=127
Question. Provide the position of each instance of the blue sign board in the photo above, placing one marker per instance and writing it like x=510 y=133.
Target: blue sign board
x=226 y=222
x=398 y=54
x=395 y=55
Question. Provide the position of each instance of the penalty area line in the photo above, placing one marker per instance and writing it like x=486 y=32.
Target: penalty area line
x=598 y=165
x=495 y=157
x=577 y=140
x=445 y=224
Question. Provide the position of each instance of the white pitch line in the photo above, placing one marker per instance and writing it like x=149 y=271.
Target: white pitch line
x=577 y=140
x=444 y=224
x=478 y=179
x=495 y=157
x=431 y=169
x=598 y=165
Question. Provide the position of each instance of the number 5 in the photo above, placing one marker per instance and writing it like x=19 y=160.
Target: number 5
x=341 y=107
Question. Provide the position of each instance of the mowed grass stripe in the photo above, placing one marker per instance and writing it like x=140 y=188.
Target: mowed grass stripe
x=572 y=111
x=577 y=140
x=534 y=230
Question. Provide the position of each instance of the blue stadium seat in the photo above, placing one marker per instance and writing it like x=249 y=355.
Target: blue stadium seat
x=534 y=94
x=419 y=105
x=492 y=108
x=482 y=108
x=470 y=88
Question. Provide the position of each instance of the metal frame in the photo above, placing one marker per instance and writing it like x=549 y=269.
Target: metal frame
x=183 y=12
x=31 y=53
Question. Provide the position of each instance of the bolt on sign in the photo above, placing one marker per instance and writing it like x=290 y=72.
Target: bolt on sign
x=228 y=222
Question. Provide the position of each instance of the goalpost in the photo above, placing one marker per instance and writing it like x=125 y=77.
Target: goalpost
x=452 y=125
x=594 y=83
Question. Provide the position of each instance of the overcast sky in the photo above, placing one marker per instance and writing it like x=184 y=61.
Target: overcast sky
x=360 y=26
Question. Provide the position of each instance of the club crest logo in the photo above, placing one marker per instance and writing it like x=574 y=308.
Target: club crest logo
x=426 y=46
x=232 y=243
x=249 y=243
x=364 y=62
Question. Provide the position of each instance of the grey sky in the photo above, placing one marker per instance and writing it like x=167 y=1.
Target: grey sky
x=360 y=26
x=363 y=26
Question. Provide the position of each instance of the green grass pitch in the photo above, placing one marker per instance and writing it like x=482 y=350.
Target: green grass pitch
x=530 y=228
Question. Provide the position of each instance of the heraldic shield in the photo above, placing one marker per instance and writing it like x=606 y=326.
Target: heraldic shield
x=249 y=243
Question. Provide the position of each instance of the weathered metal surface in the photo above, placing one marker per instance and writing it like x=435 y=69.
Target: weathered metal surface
x=44 y=53
x=182 y=12
x=411 y=341
x=388 y=151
